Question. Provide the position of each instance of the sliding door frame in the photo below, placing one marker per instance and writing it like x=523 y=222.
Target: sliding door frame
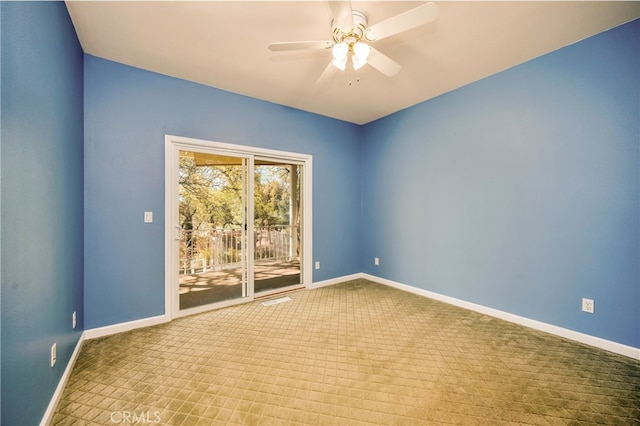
x=173 y=144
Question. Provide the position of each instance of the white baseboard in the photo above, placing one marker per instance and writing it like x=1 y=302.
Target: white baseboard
x=587 y=339
x=92 y=334
x=333 y=281
x=108 y=330
x=597 y=342
x=48 y=415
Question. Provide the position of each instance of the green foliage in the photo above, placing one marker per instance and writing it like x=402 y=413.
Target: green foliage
x=272 y=195
x=210 y=196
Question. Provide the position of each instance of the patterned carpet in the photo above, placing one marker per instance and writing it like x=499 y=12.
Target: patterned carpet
x=348 y=354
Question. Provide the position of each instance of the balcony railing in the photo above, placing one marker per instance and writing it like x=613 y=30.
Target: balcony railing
x=216 y=249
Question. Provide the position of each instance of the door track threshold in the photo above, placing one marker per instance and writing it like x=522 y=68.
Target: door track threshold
x=277 y=293
x=276 y=301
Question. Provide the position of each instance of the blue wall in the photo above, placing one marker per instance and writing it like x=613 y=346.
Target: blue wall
x=42 y=189
x=128 y=111
x=519 y=192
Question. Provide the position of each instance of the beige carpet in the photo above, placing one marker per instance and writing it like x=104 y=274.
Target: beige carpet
x=349 y=354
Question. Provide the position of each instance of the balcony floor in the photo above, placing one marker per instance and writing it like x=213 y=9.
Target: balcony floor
x=216 y=286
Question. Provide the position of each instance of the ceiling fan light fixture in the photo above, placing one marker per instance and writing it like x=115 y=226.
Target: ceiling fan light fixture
x=341 y=63
x=340 y=54
x=361 y=50
x=358 y=62
x=360 y=54
x=340 y=51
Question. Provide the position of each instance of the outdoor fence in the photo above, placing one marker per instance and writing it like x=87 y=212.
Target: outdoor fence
x=216 y=249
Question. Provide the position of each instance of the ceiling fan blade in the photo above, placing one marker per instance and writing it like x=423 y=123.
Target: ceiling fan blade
x=405 y=21
x=328 y=72
x=342 y=14
x=300 y=45
x=383 y=63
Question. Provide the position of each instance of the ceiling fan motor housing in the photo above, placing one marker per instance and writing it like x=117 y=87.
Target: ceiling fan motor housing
x=357 y=32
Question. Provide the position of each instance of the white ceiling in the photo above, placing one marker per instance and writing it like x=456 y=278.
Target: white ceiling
x=224 y=44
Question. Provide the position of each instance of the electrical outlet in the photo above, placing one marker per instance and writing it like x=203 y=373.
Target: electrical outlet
x=376 y=261
x=148 y=217
x=588 y=305
x=53 y=355
x=73 y=320
x=317 y=264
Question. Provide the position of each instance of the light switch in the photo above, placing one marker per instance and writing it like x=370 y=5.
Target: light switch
x=148 y=217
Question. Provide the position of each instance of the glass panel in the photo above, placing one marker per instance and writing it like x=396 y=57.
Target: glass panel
x=212 y=213
x=277 y=224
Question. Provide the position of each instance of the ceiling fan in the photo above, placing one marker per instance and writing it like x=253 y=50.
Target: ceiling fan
x=351 y=37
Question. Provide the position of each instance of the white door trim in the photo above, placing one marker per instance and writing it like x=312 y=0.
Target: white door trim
x=172 y=145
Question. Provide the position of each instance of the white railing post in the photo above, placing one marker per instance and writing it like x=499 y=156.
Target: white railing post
x=215 y=249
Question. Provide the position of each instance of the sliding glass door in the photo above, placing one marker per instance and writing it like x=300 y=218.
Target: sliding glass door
x=235 y=224
x=212 y=211
x=277 y=226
